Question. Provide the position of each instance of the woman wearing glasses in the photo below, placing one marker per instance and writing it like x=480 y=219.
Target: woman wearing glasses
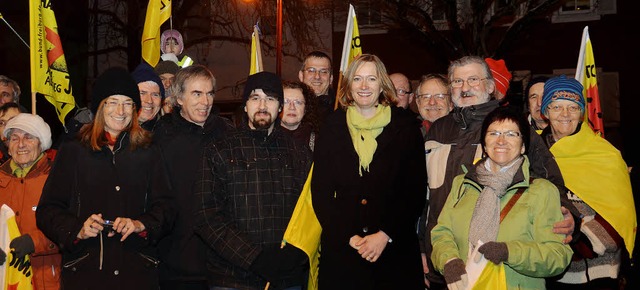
x=499 y=209
x=598 y=182
x=105 y=202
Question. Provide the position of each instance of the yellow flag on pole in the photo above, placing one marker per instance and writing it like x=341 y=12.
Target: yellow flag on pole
x=14 y=273
x=49 y=73
x=256 y=52
x=158 y=11
x=586 y=75
x=304 y=231
x=351 y=47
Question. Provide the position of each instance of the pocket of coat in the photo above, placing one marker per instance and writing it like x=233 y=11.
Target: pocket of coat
x=74 y=262
x=151 y=261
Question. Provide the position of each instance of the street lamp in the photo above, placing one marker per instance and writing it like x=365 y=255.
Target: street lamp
x=279 y=39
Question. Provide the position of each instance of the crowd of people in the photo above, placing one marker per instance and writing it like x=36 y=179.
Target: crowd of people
x=411 y=187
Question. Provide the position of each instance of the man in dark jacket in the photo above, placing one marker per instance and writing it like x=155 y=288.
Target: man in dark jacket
x=246 y=193
x=182 y=136
x=453 y=144
x=151 y=95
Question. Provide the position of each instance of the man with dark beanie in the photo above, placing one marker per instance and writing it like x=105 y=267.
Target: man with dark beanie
x=151 y=95
x=247 y=189
x=181 y=137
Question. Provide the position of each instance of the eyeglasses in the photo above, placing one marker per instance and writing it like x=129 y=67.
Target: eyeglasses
x=296 y=103
x=472 y=81
x=429 y=96
x=313 y=70
x=402 y=92
x=507 y=134
x=114 y=104
x=559 y=109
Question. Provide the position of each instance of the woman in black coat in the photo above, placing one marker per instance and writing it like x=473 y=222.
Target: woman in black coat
x=105 y=202
x=369 y=186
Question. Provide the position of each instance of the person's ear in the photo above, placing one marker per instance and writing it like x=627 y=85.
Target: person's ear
x=300 y=76
x=522 y=149
x=245 y=108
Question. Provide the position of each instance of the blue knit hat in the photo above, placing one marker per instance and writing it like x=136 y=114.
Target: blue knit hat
x=144 y=72
x=562 y=88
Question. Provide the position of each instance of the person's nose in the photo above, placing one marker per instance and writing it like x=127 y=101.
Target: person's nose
x=432 y=101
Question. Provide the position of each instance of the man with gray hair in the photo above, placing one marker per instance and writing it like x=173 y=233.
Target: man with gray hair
x=182 y=136
x=9 y=91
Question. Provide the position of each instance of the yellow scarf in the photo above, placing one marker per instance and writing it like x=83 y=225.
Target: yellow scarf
x=594 y=170
x=364 y=132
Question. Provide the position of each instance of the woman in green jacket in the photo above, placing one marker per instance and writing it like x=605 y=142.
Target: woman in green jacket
x=523 y=241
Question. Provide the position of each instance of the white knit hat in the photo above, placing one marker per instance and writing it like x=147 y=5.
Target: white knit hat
x=32 y=124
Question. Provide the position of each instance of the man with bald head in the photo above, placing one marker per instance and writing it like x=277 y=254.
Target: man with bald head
x=403 y=89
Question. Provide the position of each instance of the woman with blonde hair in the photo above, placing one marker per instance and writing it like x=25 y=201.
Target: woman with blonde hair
x=369 y=186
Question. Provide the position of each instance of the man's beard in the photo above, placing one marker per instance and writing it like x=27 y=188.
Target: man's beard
x=263 y=123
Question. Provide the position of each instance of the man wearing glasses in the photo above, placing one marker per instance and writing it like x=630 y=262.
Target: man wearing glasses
x=316 y=72
x=403 y=89
x=453 y=143
x=433 y=100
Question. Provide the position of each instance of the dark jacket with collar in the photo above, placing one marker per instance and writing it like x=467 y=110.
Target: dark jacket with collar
x=453 y=146
x=182 y=143
x=389 y=198
x=118 y=183
x=247 y=189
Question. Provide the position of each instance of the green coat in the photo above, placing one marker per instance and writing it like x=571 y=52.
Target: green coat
x=535 y=251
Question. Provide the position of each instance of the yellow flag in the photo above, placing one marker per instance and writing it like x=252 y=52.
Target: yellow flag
x=158 y=11
x=256 y=52
x=351 y=47
x=304 y=231
x=586 y=75
x=49 y=73
x=492 y=277
x=14 y=273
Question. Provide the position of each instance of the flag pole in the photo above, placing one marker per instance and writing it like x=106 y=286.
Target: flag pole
x=14 y=31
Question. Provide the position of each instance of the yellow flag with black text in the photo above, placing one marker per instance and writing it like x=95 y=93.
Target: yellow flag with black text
x=15 y=274
x=586 y=75
x=158 y=11
x=351 y=47
x=49 y=72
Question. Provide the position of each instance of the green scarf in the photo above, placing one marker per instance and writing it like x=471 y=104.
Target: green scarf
x=364 y=132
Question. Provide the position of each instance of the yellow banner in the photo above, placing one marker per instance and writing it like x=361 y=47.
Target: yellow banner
x=304 y=231
x=15 y=273
x=49 y=73
x=256 y=52
x=158 y=11
x=586 y=75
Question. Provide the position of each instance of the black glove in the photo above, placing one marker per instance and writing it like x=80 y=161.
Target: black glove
x=495 y=252
x=265 y=264
x=3 y=257
x=455 y=274
x=22 y=245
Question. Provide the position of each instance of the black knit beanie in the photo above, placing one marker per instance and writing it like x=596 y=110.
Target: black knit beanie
x=114 y=81
x=270 y=83
x=144 y=72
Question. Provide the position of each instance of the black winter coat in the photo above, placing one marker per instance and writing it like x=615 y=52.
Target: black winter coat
x=247 y=189
x=122 y=183
x=388 y=198
x=182 y=253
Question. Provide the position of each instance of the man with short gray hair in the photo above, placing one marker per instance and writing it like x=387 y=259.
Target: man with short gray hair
x=9 y=91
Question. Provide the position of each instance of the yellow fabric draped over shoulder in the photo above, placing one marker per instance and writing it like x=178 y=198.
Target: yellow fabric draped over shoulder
x=594 y=170
x=304 y=231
